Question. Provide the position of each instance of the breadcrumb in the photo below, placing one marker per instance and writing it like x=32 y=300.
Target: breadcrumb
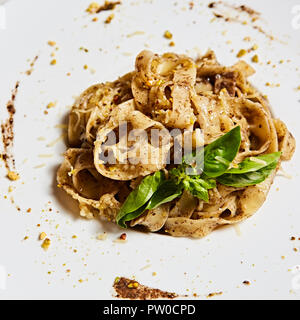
x=109 y=18
x=46 y=244
x=43 y=235
x=93 y=7
x=51 y=43
x=102 y=236
x=255 y=59
x=168 y=35
x=13 y=176
x=241 y=53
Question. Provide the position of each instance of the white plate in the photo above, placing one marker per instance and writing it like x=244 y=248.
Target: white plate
x=219 y=262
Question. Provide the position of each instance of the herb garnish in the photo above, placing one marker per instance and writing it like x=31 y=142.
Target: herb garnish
x=155 y=190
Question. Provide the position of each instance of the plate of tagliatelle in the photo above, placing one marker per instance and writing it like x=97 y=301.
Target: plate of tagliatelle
x=148 y=150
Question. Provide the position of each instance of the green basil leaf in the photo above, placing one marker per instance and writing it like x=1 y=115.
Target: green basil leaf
x=167 y=192
x=219 y=154
x=141 y=195
x=252 y=164
x=132 y=215
x=248 y=178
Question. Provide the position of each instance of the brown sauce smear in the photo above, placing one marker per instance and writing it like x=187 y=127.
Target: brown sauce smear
x=220 y=13
x=131 y=289
x=7 y=131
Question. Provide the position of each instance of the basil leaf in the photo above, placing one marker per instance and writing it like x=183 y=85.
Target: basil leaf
x=219 y=154
x=255 y=163
x=167 y=192
x=248 y=178
x=130 y=216
x=140 y=196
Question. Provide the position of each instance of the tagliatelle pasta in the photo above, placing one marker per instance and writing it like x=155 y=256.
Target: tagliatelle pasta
x=167 y=92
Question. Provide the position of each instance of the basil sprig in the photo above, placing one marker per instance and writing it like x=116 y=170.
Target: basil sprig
x=155 y=190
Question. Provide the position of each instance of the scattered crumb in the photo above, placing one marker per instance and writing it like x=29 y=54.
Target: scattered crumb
x=241 y=53
x=51 y=105
x=95 y=7
x=102 y=236
x=210 y=295
x=13 y=176
x=46 y=244
x=123 y=236
x=51 y=43
x=42 y=236
x=168 y=35
x=109 y=18
x=53 y=62
x=255 y=59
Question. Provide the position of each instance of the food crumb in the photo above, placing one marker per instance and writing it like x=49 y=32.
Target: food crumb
x=102 y=236
x=123 y=236
x=172 y=44
x=246 y=282
x=93 y=7
x=109 y=18
x=241 y=53
x=53 y=62
x=13 y=176
x=168 y=35
x=46 y=244
x=255 y=59
x=50 y=105
x=51 y=43
x=43 y=235
x=210 y=295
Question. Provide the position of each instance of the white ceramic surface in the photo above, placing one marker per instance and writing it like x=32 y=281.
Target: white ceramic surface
x=219 y=262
